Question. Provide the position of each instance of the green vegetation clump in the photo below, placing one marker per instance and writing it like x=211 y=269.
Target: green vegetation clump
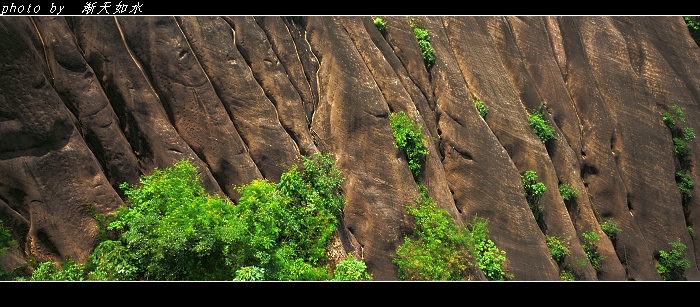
x=440 y=250
x=693 y=24
x=685 y=184
x=351 y=269
x=424 y=44
x=566 y=275
x=543 y=128
x=594 y=257
x=380 y=24
x=483 y=110
x=533 y=192
x=557 y=249
x=567 y=192
x=671 y=264
x=611 y=229
x=170 y=229
x=409 y=138
x=6 y=242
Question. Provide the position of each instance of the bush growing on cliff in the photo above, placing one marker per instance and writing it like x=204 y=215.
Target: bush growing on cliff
x=440 y=250
x=409 y=138
x=611 y=229
x=533 y=192
x=380 y=24
x=543 y=128
x=424 y=44
x=568 y=192
x=481 y=108
x=671 y=264
x=594 y=257
x=170 y=229
x=557 y=249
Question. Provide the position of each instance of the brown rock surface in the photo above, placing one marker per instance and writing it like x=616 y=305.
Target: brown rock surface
x=87 y=103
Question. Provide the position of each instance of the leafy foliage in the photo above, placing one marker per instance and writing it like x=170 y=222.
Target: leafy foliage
x=488 y=257
x=409 y=137
x=5 y=239
x=351 y=269
x=533 y=192
x=671 y=264
x=440 y=250
x=250 y=273
x=483 y=110
x=50 y=271
x=543 y=128
x=567 y=192
x=685 y=184
x=436 y=250
x=424 y=44
x=170 y=229
x=557 y=249
x=611 y=229
x=674 y=115
x=693 y=24
x=594 y=257
x=380 y=24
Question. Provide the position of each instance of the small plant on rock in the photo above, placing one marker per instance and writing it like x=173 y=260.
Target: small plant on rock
x=380 y=24
x=557 y=249
x=409 y=137
x=533 y=192
x=568 y=192
x=589 y=240
x=483 y=110
x=424 y=44
x=611 y=229
x=543 y=128
x=671 y=264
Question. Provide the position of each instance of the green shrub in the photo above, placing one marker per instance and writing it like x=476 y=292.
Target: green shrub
x=685 y=184
x=170 y=229
x=671 y=264
x=483 y=110
x=50 y=271
x=250 y=273
x=674 y=115
x=488 y=257
x=409 y=138
x=557 y=249
x=693 y=24
x=533 y=192
x=436 y=249
x=594 y=257
x=543 y=128
x=351 y=269
x=566 y=275
x=690 y=231
x=380 y=24
x=5 y=239
x=610 y=229
x=567 y=192
x=424 y=44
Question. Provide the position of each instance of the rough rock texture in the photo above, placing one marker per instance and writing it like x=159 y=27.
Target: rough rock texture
x=87 y=103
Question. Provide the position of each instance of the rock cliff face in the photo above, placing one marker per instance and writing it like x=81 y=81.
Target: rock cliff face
x=87 y=103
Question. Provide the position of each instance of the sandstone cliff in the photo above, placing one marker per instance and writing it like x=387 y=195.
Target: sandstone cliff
x=90 y=102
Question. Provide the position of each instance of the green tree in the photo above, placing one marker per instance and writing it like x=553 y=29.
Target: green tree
x=534 y=190
x=543 y=128
x=671 y=264
x=409 y=137
x=424 y=43
x=351 y=269
x=380 y=24
x=439 y=249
